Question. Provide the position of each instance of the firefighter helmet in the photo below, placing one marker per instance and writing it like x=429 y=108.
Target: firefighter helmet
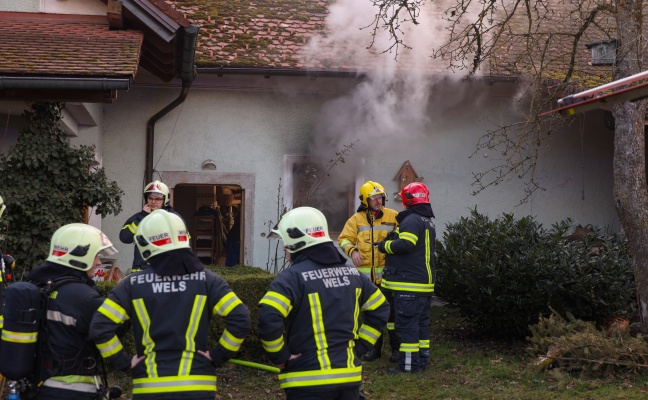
x=302 y=227
x=159 y=232
x=370 y=189
x=415 y=193
x=2 y=206
x=160 y=188
x=76 y=246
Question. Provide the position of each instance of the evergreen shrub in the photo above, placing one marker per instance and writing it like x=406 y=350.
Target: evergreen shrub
x=504 y=274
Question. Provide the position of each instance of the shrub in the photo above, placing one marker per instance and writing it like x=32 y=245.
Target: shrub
x=506 y=273
x=47 y=183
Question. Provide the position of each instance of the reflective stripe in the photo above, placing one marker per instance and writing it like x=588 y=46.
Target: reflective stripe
x=190 y=335
x=424 y=344
x=74 y=379
x=273 y=346
x=319 y=332
x=376 y=300
x=230 y=342
x=388 y=249
x=409 y=347
x=226 y=304
x=75 y=386
x=113 y=312
x=19 y=337
x=369 y=334
x=147 y=341
x=60 y=317
x=174 y=384
x=410 y=237
x=318 y=377
x=131 y=227
x=277 y=301
x=408 y=286
x=109 y=348
x=428 y=257
x=390 y=326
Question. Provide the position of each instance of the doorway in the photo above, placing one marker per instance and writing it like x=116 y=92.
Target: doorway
x=214 y=215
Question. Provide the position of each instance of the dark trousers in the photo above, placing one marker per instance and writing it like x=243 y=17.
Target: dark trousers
x=413 y=330
x=310 y=393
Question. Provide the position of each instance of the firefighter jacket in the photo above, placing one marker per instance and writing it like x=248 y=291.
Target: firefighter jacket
x=170 y=316
x=317 y=303
x=67 y=358
x=361 y=231
x=127 y=235
x=410 y=256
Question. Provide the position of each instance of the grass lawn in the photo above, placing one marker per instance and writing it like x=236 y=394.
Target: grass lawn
x=462 y=367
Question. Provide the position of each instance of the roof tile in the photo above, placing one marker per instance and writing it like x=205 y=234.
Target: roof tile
x=56 y=44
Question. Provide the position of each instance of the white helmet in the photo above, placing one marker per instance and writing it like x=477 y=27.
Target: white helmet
x=76 y=246
x=2 y=206
x=159 y=232
x=301 y=228
x=159 y=188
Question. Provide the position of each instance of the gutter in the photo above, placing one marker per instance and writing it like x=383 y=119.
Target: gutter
x=39 y=82
x=187 y=71
x=320 y=73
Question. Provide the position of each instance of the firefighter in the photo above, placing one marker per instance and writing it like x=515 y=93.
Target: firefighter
x=68 y=366
x=410 y=273
x=170 y=306
x=317 y=303
x=156 y=197
x=371 y=223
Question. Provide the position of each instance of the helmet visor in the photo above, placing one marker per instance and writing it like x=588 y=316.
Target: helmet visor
x=107 y=251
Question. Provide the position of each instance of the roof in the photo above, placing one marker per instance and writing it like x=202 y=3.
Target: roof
x=66 y=45
x=269 y=33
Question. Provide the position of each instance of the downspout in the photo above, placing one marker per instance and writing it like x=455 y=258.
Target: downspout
x=187 y=74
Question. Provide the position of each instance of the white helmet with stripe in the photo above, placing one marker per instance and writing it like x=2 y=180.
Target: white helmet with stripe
x=76 y=246
x=302 y=227
x=159 y=232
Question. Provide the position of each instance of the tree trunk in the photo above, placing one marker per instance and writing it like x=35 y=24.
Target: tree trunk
x=630 y=189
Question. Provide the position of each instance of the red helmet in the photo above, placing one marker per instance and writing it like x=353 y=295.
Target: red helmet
x=415 y=193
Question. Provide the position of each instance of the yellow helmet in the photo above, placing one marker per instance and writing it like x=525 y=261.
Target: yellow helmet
x=302 y=227
x=370 y=189
x=160 y=188
x=76 y=246
x=159 y=232
x=2 y=206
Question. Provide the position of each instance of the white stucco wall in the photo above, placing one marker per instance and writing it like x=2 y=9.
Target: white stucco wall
x=248 y=127
x=85 y=7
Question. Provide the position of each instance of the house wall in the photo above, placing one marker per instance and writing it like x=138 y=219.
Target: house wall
x=249 y=124
x=85 y=7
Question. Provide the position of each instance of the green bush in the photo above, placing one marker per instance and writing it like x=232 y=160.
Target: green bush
x=506 y=273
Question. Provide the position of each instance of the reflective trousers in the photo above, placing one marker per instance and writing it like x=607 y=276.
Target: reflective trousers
x=413 y=329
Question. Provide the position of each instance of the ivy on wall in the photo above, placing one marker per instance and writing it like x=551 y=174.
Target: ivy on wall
x=46 y=183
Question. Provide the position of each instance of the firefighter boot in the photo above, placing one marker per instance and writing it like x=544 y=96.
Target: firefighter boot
x=375 y=352
x=394 y=343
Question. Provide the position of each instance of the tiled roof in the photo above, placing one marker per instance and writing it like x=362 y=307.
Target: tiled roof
x=276 y=34
x=516 y=58
x=260 y=33
x=73 y=45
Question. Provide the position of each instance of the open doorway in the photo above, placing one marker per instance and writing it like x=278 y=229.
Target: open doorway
x=214 y=216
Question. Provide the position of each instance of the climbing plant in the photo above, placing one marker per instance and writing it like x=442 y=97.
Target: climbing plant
x=47 y=183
